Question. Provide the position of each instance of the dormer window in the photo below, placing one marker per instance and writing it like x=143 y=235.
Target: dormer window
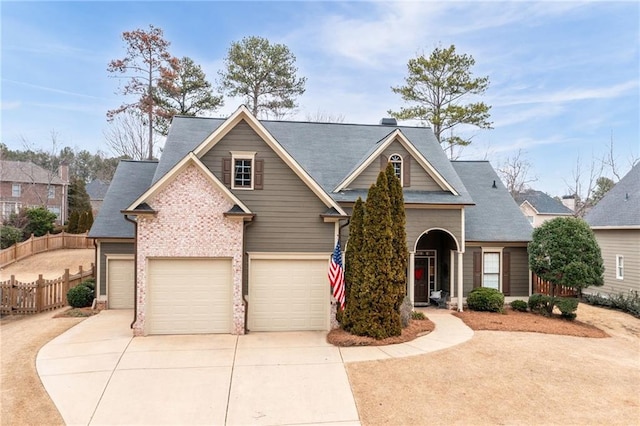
x=396 y=162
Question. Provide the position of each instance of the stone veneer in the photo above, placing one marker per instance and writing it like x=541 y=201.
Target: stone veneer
x=189 y=223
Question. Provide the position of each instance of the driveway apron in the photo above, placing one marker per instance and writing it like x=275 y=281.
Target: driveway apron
x=98 y=374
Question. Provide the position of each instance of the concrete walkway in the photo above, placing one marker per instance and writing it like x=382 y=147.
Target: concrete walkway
x=97 y=373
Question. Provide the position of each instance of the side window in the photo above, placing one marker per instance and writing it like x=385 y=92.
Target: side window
x=242 y=173
x=491 y=270
x=619 y=267
x=16 y=190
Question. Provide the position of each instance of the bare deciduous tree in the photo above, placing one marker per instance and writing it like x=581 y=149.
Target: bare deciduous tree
x=127 y=136
x=325 y=117
x=514 y=172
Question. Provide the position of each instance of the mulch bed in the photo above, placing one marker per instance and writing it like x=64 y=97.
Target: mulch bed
x=512 y=320
x=416 y=328
x=77 y=312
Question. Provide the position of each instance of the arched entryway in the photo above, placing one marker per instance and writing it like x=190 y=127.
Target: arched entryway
x=433 y=264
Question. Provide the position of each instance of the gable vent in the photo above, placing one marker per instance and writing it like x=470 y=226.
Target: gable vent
x=388 y=121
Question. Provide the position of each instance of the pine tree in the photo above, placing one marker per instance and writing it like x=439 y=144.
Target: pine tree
x=398 y=220
x=354 y=310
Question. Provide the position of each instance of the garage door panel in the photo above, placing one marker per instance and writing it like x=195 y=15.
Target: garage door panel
x=190 y=296
x=288 y=295
x=120 y=288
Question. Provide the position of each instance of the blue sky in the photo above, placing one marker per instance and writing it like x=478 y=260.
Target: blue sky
x=564 y=75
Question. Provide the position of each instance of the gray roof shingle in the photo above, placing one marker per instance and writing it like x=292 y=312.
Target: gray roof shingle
x=327 y=151
x=131 y=179
x=620 y=207
x=542 y=202
x=97 y=189
x=495 y=216
x=26 y=171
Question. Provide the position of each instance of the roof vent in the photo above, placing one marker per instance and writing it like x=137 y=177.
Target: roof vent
x=494 y=186
x=388 y=121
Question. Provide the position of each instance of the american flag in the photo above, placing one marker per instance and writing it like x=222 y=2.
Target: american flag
x=336 y=275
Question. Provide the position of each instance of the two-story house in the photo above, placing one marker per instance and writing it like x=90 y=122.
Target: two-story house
x=233 y=228
x=25 y=185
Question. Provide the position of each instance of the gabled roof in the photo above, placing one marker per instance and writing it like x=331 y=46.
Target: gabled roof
x=27 y=172
x=542 y=203
x=189 y=159
x=97 y=189
x=620 y=207
x=495 y=216
x=380 y=147
x=131 y=179
x=327 y=152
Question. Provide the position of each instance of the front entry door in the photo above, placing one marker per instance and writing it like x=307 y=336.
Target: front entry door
x=424 y=275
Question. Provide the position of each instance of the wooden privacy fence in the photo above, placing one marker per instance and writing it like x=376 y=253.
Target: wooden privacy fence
x=42 y=295
x=45 y=243
x=544 y=287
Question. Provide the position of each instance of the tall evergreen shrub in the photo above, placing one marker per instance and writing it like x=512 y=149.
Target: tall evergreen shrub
x=399 y=236
x=355 y=311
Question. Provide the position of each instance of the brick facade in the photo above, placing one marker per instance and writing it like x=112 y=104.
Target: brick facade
x=190 y=223
x=31 y=195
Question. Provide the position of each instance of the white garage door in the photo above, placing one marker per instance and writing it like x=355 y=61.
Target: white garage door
x=189 y=296
x=120 y=288
x=287 y=295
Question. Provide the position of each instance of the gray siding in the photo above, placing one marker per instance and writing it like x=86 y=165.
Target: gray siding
x=125 y=247
x=625 y=242
x=287 y=211
x=519 y=269
x=419 y=220
x=420 y=179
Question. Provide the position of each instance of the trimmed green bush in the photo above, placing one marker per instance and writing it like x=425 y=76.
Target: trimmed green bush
x=540 y=303
x=418 y=316
x=9 y=235
x=519 y=305
x=567 y=306
x=80 y=296
x=485 y=299
x=629 y=303
x=89 y=282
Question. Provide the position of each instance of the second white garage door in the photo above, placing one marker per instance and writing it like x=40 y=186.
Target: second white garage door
x=288 y=295
x=120 y=283
x=189 y=296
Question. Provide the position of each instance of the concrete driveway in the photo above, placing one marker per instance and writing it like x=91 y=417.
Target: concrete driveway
x=97 y=373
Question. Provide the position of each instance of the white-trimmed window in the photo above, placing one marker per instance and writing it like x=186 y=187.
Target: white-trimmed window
x=396 y=162
x=530 y=218
x=55 y=210
x=243 y=169
x=491 y=270
x=16 y=190
x=619 y=266
x=51 y=192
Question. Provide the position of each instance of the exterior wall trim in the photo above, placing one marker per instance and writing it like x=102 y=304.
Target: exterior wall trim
x=458 y=246
x=402 y=139
x=175 y=171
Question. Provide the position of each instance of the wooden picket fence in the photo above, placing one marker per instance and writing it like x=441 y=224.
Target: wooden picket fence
x=47 y=242
x=17 y=297
x=544 y=287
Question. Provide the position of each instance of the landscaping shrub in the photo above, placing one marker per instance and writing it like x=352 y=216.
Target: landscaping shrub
x=540 y=303
x=567 y=306
x=9 y=235
x=629 y=303
x=91 y=283
x=485 y=299
x=519 y=305
x=418 y=316
x=80 y=296
x=405 y=311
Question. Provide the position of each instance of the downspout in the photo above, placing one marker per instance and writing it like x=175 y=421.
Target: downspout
x=135 y=268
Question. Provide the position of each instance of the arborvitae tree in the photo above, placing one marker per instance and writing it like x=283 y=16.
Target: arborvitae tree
x=383 y=319
x=89 y=219
x=82 y=223
x=78 y=197
x=355 y=311
x=72 y=225
x=398 y=221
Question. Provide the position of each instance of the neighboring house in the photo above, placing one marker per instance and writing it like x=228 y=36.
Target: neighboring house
x=232 y=230
x=615 y=221
x=96 y=189
x=539 y=207
x=25 y=185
